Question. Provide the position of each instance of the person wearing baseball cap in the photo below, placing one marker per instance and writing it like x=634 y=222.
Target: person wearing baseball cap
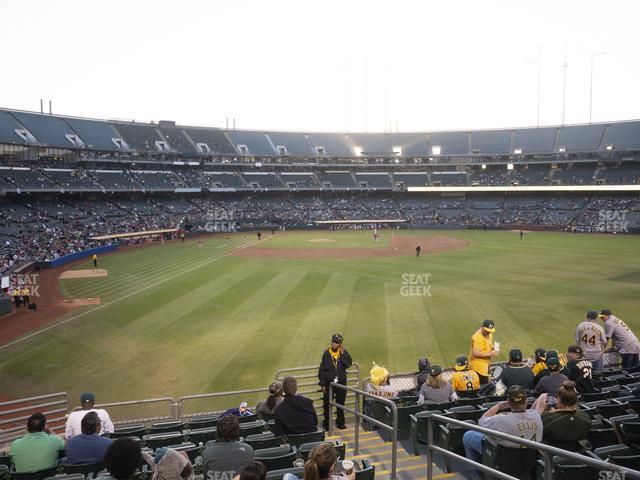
x=520 y=422
x=74 y=420
x=482 y=349
x=333 y=369
x=539 y=364
x=436 y=389
x=551 y=382
x=592 y=339
x=466 y=383
x=621 y=337
x=517 y=372
x=579 y=370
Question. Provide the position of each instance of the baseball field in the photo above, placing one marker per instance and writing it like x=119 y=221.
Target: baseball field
x=184 y=318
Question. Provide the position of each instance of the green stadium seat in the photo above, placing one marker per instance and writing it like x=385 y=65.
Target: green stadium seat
x=203 y=422
x=85 y=468
x=192 y=450
x=259 y=441
x=201 y=435
x=157 y=440
x=367 y=472
x=297 y=440
x=166 y=427
x=517 y=462
x=137 y=430
x=276 y=458
x=39 y=475
x=252 y=428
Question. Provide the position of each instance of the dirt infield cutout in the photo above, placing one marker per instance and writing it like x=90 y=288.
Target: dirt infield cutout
x=92 y=273
x=400 y=247
x=81 y=302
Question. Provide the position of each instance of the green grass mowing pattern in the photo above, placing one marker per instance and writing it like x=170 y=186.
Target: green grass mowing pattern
x=230 y=322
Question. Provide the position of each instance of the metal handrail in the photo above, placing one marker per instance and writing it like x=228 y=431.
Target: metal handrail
x=393 y=429
x=548 y=451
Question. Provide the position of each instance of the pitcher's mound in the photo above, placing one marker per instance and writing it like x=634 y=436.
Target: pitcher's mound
x=81 y=302
x=92 y=273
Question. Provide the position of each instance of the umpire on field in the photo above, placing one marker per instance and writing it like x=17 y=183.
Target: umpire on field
x=333 y=369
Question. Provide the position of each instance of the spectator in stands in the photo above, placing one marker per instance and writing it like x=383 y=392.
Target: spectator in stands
x=169 y=464
x=517 y=372
x=321 y=465
x=227 y=456
x=88 y=447
x=74 y=422
x=579 y=370
x=333 y=368
x=436 y=389
x=482 y=349
x=254 y=471
x=621 y=337
x=540 y=357
x=520 y=422
x=123 y=458
x=544 y=372
x=592 y=339
x=564 y=425
x=38 y=449
x=241 y=410
x=550 y=383
x=379 y=384
x=269 y=405
x=296 y=413
x=423 y=372
x=465 y=382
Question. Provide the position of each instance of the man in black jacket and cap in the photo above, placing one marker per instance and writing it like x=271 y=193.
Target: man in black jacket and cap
x=333 y=369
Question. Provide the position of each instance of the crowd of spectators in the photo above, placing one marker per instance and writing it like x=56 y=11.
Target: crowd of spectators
x=45 y=231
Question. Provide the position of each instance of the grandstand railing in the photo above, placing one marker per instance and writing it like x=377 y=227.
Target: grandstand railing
x=308 y=383
x=361 y=394
x=547 y=451
x=14 y=413
x=214 y=403
x=140 y=411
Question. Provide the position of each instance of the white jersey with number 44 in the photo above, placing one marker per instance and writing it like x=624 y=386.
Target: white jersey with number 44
x=591 y=337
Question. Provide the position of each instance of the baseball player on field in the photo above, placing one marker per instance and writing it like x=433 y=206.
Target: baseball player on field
x=592 y=339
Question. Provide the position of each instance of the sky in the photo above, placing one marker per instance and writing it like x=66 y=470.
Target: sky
x=327 y=65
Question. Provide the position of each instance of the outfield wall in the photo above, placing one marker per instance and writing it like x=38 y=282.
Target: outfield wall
x=77 y=256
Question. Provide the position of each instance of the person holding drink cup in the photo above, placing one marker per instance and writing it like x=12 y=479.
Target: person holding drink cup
x=482 y=349
x=322 y=464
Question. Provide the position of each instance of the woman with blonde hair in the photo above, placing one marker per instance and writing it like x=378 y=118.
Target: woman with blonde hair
x=436 y=389
x=321 y=465
x=379 y=382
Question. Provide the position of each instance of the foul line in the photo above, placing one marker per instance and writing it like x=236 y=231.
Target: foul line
x=75 y=317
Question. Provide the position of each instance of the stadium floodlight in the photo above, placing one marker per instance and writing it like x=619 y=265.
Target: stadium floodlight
x=609 y=147
x=357 y=151
x=397 y=150
x=509 y=166
x=562 y=149
x=484 y=166
x=436 y=149
x=517 y=151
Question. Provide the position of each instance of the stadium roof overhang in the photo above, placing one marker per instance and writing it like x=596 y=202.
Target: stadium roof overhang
x=531 y=188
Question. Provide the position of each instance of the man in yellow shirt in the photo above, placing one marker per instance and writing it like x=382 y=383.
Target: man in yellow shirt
x=95 y=260
x=482 y=350
x=464 y=380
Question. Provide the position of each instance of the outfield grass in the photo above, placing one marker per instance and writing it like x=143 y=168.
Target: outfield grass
x=208 y=322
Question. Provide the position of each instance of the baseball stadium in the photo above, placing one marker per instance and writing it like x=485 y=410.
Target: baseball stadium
x=183 y=274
